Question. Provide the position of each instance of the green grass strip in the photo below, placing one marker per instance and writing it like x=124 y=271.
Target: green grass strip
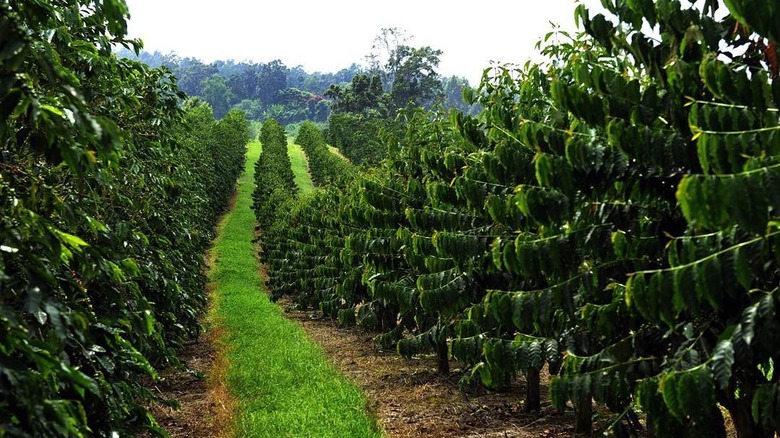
x=282 y=383
x=335 y=150
x=300 y=168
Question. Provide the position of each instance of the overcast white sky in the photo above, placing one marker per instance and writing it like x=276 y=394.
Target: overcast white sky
x=328 y=35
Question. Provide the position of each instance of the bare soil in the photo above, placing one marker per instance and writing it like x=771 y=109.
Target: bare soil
x=201 y=407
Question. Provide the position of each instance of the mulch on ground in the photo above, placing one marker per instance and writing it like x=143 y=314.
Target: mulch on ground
x=197 y=413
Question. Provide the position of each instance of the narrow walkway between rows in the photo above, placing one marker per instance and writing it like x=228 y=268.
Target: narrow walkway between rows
x=282 y=383
x=300 y=168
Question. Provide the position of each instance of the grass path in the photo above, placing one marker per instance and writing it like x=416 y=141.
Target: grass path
x=281 y=382
x=336 y=151
x=300 y=168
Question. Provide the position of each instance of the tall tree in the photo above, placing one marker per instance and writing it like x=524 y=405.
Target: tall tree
x=272 y=78
x=191 y=73
x=415 y=79
x=365 y=93
x=452 y=95
x=384 y=46
x=244 y=82
x=217 y=94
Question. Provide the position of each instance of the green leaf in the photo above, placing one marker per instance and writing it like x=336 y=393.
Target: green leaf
x=742 y=268
x=74 y=242
x=722 y=362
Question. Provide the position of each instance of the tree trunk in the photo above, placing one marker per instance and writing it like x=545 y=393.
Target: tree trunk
x=583 y=416
x=650 y=428
x=533 y=399
x=742 y=416
x=388 y=318
x=442 y=358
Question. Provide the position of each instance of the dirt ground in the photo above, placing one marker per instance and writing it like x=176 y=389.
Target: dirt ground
x=407 y=397
x=190 y=390
x=205 y=407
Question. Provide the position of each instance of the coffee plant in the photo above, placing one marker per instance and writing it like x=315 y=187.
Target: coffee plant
x=274 y=179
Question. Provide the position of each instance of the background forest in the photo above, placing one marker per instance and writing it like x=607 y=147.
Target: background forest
x=351 y=105
x=291 y=94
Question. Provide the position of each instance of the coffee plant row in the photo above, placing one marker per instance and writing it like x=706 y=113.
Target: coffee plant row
x=274 y=178
x=611 y=214
x=109 y=192
x=325 y=167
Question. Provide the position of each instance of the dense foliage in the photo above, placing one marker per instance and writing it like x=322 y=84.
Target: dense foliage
x=261 y=90
x=326 y=168
x=108 y=197
x=371 y=106
x=361 y=114
x=274 y=179
x=359 y=135
x=291 y=94
x=610 y=214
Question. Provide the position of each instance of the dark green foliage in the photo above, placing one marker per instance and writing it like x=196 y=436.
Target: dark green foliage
x=326 y=167
x=107 y=202
x=301 y=237
x=227 y=154
x=274 y=179
x=364 y=93
x=261 y=90
x=358 y=136
x=292 y=95
x=612 y=215
x=217 y=94
x=360 y=115
x=453 y=89
x=370 y=108
x=361 y=267
x=415 y=80
x=764 y=19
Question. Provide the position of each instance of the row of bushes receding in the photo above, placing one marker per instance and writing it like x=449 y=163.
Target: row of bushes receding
x=109 y=193
x=274 y=178
x=611 y=216
x=326 y=167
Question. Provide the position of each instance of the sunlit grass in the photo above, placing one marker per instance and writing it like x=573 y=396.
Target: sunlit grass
x=336 y=151
x=300 y=168
x=283 y=384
